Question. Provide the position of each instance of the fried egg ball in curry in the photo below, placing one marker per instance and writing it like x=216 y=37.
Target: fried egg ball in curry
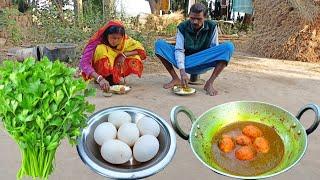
x=226 y=144
x=245 y=153
x=252 y=131
x=243 y=140
x=261 y=145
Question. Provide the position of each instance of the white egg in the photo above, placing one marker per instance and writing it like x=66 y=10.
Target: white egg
x=147 y=125
x=145 y=148
x=115 y=151
x=128 y=133
x=103 y=132
x=117 y=118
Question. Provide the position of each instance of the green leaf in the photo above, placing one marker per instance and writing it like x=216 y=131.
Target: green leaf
x=47 y=115
x=40 y=122
x=14 y=105
x=52 y=146
x=72 y=90
x=90 y=92
x=91 y=108
x=45 y=95
x=53 y=108
x=65 y=90
x=58 y=96
x=57 y=122
x=47 y=140
x=27 y=101
x=13 y=78
x=73 y=140
x=56 y=137
x=19 y=98
x=34 y=87
x=28 y=118
x=29 y=62
x=59 y=81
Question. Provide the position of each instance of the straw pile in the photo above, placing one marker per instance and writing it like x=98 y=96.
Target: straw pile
x=287 y=30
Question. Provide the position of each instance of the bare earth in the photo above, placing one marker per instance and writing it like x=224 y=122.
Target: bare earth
x=288 y=84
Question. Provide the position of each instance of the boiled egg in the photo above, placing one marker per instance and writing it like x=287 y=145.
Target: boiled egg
x=117 y=118
x=103 y=132
x=145 y=148
x=115 y=151
x=128 y=133
x=147 y=125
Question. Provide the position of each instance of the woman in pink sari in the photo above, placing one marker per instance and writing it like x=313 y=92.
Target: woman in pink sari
x=111 y=55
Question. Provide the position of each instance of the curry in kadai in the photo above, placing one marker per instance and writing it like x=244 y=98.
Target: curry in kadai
x=247 y=148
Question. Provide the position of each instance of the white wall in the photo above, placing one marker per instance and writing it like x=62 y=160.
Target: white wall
x=133 y=7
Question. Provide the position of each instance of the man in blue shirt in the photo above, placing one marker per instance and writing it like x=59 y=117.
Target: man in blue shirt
x=197 y=50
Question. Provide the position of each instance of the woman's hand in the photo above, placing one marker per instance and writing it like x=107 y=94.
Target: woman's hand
x=104 y=84
x=120 y=60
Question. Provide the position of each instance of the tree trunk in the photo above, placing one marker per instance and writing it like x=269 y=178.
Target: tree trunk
x=189 y=4
x=34 y=3
x=109 y=10
x=165 y=5
x=75 y=9
x=59 y=5
x=153 y=6
x=78 y=10
x=247 y=19
x=103 y=8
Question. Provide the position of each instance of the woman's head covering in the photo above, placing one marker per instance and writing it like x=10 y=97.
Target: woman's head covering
x=98 y=36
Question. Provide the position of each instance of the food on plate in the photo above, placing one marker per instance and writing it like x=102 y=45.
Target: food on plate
x=186 y=89
x=183 y=90
x=120 y=89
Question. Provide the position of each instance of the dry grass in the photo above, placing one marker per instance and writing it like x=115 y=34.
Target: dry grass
x=285 y=32
x=158 y=23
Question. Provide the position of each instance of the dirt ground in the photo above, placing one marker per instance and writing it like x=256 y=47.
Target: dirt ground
x=288 y=84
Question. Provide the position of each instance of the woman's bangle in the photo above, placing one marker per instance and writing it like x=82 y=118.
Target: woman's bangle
x=123 y=55
x=99 y=78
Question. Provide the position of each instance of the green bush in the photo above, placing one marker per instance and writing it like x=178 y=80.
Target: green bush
x=9 y=24
x=41 y=104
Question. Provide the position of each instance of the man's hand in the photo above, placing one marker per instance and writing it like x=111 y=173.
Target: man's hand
x=184 y=78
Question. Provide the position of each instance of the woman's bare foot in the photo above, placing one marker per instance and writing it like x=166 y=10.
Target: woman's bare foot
x=172 y=83
x=210 y=90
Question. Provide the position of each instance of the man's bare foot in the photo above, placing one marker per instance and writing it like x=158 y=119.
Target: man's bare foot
x=172 y=83
x=210 y=90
